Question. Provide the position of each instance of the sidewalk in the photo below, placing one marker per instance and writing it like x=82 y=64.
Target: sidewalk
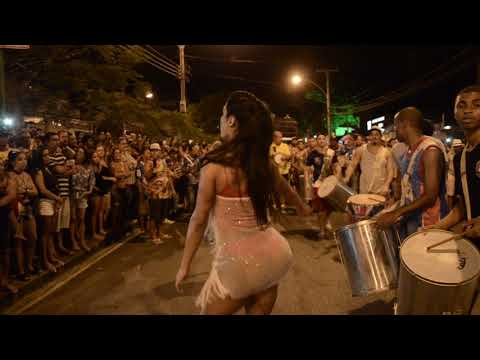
x=8 y=299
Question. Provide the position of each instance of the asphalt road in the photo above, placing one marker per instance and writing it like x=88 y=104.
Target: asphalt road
x=138 y=278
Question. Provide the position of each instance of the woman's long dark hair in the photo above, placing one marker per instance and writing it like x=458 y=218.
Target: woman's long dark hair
x=249 y=150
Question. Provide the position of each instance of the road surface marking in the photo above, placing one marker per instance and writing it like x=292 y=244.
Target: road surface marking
x=37 y=296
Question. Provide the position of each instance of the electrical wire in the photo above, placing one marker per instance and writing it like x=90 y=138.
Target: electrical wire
x=146 y=54
x=145 y=59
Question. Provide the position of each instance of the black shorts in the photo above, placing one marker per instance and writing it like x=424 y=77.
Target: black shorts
x=159 y=210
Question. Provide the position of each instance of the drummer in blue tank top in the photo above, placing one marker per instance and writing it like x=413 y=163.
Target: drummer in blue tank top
x=423 y=177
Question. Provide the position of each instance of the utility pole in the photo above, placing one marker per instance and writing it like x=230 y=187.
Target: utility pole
x=327 y=95
x=183 y=98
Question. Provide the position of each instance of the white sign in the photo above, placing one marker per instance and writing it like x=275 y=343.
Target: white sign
x=18 y=47
x=377 y=122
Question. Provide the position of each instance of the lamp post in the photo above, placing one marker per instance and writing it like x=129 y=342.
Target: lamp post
x=297 y=79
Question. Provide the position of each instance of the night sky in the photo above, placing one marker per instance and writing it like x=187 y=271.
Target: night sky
x=365 y=71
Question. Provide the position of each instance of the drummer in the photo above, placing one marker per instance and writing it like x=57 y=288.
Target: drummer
x=467 y=180
x=376 y=164
x=321 y=159
x=279 y=147
x=422 y=177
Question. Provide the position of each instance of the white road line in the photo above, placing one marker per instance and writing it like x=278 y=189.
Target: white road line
x=40 y=294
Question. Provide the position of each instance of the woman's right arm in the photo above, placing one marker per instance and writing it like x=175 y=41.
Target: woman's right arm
x=281 y=186
x=39 y=181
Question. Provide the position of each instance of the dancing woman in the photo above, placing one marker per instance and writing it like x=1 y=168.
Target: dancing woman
x=238 y=184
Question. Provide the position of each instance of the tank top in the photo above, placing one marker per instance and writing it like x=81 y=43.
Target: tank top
x=374 y=170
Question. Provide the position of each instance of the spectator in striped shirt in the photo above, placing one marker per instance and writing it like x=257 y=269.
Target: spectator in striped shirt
x=62 y=171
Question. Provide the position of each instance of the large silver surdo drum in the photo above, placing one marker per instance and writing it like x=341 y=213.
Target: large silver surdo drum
x=335 y=193
x=440 y=281
x=370 y=256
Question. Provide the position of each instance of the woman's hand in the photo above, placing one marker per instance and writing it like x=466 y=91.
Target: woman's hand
x=182 y=274
x=305 y=211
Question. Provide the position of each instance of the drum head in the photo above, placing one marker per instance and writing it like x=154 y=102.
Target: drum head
x=454 y=262
x=367 y=199
x=278 y=159
x=327 y=186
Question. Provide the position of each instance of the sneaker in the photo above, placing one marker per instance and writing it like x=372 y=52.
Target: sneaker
x=168 y=222
x=157 y=241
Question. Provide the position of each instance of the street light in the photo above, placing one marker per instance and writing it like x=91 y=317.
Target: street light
x=296 y=79
x=149 y=95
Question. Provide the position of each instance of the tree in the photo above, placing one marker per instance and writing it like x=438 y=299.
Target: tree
x=343 y=119
x=206 y=113
x=99 y=83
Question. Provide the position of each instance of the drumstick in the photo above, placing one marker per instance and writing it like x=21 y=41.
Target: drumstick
x=455 y=237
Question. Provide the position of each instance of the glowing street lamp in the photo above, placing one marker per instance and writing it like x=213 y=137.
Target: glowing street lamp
x=149 y=95
x=296 y=79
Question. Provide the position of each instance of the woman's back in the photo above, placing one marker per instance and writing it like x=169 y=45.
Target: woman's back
x=248 y=257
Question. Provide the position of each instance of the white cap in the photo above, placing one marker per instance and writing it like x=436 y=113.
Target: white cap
x=155 y=146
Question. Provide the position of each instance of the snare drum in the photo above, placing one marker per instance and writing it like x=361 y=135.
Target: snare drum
x=440 y=281
x=370 y=256
x=278 y=159
x=335 y=193
x=364 y=205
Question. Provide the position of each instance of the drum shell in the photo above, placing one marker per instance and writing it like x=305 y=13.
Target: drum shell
x=370 y=257
x=339 y=196
x=418 y=296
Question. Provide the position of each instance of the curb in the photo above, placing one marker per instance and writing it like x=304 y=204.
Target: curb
x=40 y=280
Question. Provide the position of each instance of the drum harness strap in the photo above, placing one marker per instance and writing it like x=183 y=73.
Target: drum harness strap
x=463 y=172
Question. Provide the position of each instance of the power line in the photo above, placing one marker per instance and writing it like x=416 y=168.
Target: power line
x=223 y=60
x=147 y=55
x=412 y=86
x=145 y=59
x=165 y=57
x=175 y=66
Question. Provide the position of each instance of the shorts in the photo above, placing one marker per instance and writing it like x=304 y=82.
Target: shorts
x=81 y=203
x=46 y=207
x=64 y=215
x=159 y=210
